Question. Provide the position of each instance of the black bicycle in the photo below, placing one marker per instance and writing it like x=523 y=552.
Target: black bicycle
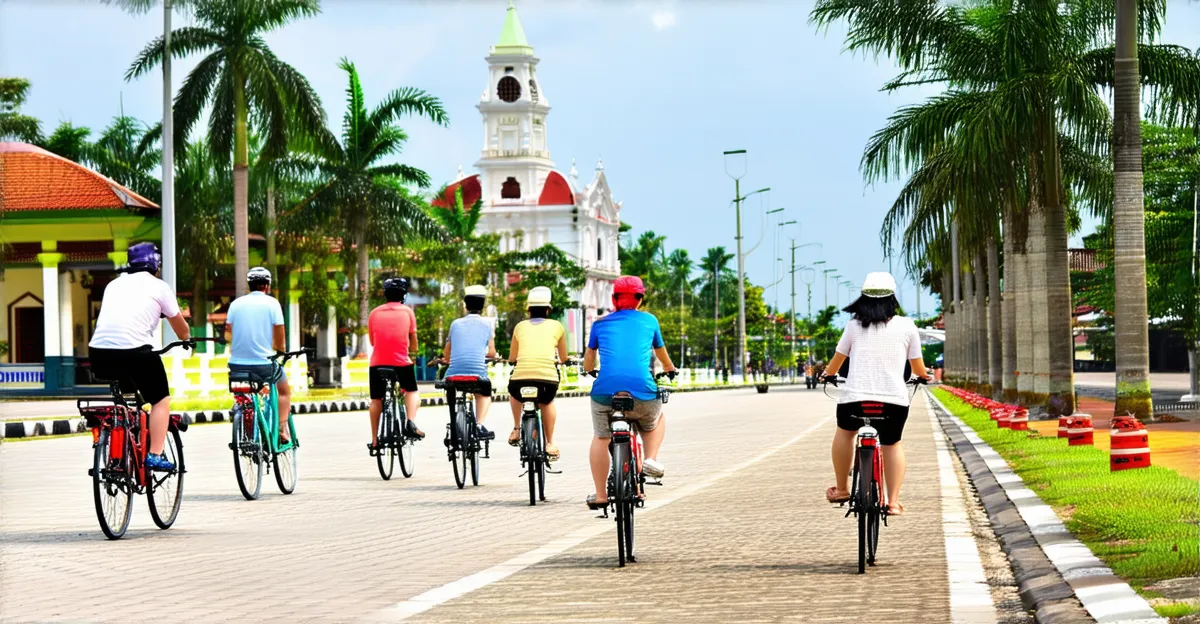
x=394 y=442
x=120 y=441
x=463 y=439
x=867 y=498
x=626 y=480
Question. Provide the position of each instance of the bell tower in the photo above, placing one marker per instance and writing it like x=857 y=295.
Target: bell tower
x=515 y=159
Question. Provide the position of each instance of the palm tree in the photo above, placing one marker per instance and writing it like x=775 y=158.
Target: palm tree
x=241 y=78
x=127 y=152
x=205 y=222
x=70 y=142
x=365 y=196
x=643 y=259
x=715 y=265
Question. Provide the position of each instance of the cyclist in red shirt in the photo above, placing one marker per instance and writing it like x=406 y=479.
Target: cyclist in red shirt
x=392 y=328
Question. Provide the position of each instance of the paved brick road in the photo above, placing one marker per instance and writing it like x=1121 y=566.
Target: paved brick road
x=756 y=545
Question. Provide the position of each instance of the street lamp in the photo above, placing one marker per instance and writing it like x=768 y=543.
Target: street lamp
x=792 y=310
x=732 y=157
x=825 y=280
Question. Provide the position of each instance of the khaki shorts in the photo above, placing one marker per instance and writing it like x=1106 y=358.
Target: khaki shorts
x=644 y=416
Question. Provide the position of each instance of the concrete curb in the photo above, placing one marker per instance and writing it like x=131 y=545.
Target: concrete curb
x=62 y=426
x=1041 y=583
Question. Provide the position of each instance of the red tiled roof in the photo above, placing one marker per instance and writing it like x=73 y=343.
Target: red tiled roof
x=556 y=191
x=472 y=192
x=32 y=178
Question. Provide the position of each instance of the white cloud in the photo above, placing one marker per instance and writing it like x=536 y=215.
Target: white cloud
x=663 y=20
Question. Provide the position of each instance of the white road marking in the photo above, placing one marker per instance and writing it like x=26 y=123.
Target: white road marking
x=970 y=597
x=455 y=589
x=1104 y=595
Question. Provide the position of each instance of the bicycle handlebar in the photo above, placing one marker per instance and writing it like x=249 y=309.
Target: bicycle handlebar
x=281 y=357
x=190 y=343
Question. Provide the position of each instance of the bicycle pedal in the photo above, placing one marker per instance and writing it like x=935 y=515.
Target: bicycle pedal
x=640 y=503
x=655 y=482
x=91 y=472
x=553 y=471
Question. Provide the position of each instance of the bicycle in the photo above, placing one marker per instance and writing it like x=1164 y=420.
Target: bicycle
x=392 y=436
x=462 y=432
x=626 y=480
x=119 y=443
x=534 y=458
x=867 y=495
x=255 y=419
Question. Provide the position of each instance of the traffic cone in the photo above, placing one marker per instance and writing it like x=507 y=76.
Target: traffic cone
x=1129 y=444
x=1079 y=430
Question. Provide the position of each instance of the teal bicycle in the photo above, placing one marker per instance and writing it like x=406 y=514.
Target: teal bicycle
x=256 y=446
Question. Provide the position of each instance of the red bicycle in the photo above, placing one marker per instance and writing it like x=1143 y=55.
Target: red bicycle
x=120 y=431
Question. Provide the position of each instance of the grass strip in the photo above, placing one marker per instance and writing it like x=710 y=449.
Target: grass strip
x=1143 y=523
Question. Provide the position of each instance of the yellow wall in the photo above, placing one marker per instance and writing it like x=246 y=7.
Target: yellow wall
x=17 y=282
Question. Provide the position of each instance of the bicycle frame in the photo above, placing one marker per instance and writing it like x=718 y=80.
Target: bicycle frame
x=266 y=413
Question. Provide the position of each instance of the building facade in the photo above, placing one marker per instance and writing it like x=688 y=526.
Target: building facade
x=526 y=200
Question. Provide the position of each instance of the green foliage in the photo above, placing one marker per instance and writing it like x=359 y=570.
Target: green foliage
x=1142 y=523
x=14 y=125
x=127 y=152
x=70 y=142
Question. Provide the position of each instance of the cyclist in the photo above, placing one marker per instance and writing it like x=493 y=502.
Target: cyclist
x=121 y=347
x=471 y=341
x=626 y=340
x=878 y=342
x=254 y=328
x=535 y=342
x=392 y=328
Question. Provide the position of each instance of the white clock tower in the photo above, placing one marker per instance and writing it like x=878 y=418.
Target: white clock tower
x=525 y=200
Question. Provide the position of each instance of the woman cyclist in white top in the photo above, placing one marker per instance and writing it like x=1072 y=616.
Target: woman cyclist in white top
x=878 y=342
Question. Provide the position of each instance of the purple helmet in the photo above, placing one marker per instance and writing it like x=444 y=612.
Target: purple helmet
x=144 y=257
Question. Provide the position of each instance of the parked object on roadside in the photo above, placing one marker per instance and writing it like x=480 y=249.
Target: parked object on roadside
x=1079 y=430
x=1129 y=444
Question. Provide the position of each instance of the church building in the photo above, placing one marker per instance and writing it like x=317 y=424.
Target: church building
x=525 y=199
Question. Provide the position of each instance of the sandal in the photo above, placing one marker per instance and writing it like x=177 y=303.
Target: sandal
x=552 y=452
x=594 y=504
x=894 y=510
x=514 y=438
x=831 y=495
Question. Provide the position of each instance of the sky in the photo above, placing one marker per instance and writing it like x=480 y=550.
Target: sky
x=657 y=89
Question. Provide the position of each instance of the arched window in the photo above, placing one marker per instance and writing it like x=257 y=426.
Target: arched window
x=511 y=189
x=599 y=249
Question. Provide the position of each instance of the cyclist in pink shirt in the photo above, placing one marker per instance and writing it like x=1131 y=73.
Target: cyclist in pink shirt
x=392 y=328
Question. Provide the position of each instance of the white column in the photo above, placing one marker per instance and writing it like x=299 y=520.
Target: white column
x=50 y=314
x=327 y=336
x=66 y=321
x=293 y=343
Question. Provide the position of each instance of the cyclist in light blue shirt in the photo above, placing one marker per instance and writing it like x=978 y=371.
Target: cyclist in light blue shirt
x=254 y=327
x=626 y=342
x=472 y=340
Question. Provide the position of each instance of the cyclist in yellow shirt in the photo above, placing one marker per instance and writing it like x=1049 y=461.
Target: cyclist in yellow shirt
x=535 y=343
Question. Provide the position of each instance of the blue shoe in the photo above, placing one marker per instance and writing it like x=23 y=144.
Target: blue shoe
x=158 y=463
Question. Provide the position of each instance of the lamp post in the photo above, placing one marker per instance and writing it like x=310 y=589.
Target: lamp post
x=792 y=309
x=825 y=280
x=740 y=363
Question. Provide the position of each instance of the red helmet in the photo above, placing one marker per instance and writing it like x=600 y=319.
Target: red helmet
x=629 y=285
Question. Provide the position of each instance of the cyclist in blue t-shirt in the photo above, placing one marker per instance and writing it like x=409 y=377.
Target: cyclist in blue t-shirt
x=471 y=342
x=626 y=341
x=255 y=330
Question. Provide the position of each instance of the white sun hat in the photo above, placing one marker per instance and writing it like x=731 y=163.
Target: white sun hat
x=538 y=296
x=879 y=284
x=476 y=290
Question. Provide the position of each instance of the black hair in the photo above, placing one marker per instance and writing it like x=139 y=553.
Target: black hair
x=474 y=303
x=394 y=295
x=257 y=285
x=539 y=312
x=871 y=310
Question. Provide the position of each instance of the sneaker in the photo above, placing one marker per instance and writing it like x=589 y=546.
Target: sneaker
x=484 y=434
x=653 y=469
x=410 y=430
x=158 y=463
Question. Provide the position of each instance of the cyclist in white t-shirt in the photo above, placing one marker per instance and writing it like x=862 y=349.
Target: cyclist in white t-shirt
x=121 y=347
x=879 y=343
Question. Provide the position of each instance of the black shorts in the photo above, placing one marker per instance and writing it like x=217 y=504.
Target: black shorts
x=136 y=369
x=481 y=387
x=406 y=375
x=547 y=390
x=890 y=429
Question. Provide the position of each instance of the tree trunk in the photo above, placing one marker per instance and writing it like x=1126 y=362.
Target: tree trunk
x=1036 y=272
x=1060 y=310
x=982 y=358
x=241 y=189
x=995 y=321
x=1009 y=305
x=364 y=290
x=948 y=343
x=270 y=231
x=968 y=327
x=1130 y=312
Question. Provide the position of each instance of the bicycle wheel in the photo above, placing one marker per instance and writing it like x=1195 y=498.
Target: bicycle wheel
x=533 y=456
x=247 y=452
x=286 y=468
x=165 y=489
x=631 y=506
x=873 y=516
x=111 y=488
x=399 y=422
x=620 y=461
x=459 y=438
x=473 y=446
x=864 y=468
x=386 y=436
